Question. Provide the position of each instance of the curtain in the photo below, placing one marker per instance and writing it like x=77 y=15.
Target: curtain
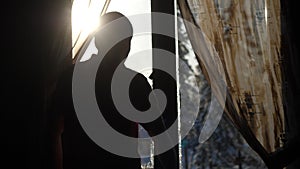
x=246 y=37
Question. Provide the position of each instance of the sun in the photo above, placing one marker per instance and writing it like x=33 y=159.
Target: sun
x=85 y=19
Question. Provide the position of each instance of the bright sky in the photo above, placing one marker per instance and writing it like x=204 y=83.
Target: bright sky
x=85 y=18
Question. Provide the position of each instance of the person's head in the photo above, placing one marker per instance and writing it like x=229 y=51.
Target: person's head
x=108 y=33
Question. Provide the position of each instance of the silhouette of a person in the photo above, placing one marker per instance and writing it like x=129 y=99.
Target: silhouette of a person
x=72 y=147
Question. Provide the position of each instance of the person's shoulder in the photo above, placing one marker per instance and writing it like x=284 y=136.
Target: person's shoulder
x=138 y=80
x=137 y=76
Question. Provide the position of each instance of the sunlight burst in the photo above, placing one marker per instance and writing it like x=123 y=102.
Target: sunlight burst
x=85 y=19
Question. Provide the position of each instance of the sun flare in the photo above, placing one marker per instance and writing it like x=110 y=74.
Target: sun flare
x=85 y=19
